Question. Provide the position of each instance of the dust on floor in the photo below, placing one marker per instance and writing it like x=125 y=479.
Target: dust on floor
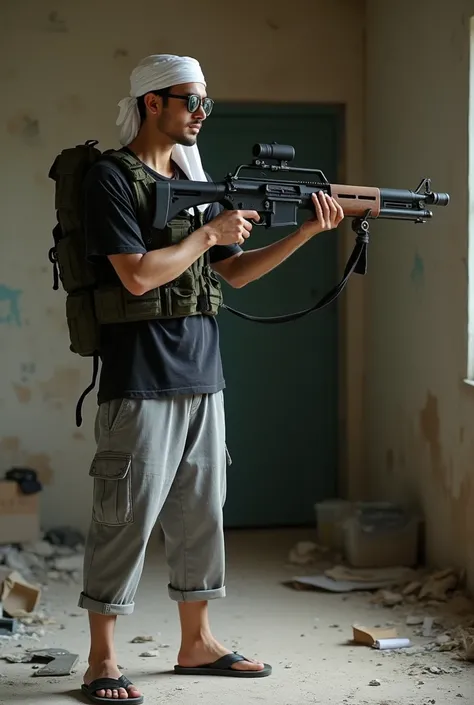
x=305 y=635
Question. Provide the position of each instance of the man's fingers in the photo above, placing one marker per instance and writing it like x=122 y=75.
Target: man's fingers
x=250 y=215
x=317 y=208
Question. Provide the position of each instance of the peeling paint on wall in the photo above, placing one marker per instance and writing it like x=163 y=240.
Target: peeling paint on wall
x=63 y=385
x=10 y=306
x=23 y=394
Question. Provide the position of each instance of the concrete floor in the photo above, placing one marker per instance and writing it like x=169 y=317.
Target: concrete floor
x=302 y=634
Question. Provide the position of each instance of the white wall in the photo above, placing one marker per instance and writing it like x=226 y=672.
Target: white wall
x=63 y=68
x=420 y=411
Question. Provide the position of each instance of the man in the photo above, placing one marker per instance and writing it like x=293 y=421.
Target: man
x=160 y=426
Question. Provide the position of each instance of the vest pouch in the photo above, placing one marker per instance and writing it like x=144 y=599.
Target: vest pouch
x=214 y=290
x=115 y=304
x=82 y=323
x=75 y=271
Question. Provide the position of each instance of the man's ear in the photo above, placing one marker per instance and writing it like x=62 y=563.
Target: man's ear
x=153 y=103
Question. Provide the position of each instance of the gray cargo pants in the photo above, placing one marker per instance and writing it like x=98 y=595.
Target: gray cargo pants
x=156 y=459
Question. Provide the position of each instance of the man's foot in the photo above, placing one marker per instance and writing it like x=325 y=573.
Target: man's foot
x=207 y=651
x=108 y=669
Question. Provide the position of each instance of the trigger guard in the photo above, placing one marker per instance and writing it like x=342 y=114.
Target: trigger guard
x=257 y=222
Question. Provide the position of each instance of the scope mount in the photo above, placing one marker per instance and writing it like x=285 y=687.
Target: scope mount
x=280 y=153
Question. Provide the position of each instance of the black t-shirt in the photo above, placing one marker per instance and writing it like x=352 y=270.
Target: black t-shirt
x=145 y=359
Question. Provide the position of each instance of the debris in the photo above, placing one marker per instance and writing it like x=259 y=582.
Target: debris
x=150 y=654
x=413 y=620
x=59 y=662
x=141 y=639
x=69 y=563
x=8 y=626
x=383 y=644
x=465 y=638
x=303 y=553
x=443 y=639
x=438 y=585
x=368 y=636
x=65 y=536
x=19 y=598
x=394 y=575
x=375 y=681
x=16 y=658
x=39 y=548
x=427 y=626
x=413 y=587
x=388 y=598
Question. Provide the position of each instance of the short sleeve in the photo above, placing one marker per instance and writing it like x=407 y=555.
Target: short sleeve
x=110 y=221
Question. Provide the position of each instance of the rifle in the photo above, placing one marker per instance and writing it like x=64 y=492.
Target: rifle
x=278 y=202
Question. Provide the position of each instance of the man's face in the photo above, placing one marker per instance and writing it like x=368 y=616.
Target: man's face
x=174 y=119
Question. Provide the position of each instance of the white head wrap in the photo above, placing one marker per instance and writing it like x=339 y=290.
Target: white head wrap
x=152 y=74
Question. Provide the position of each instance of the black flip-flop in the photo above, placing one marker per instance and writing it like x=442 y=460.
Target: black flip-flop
x=109 y=684
x=223 y=667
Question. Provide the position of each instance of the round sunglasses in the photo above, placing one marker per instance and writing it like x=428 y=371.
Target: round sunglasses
x=194 y=102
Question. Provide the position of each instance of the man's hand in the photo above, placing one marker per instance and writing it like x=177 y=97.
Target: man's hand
x=231 y=226
x=328 y=215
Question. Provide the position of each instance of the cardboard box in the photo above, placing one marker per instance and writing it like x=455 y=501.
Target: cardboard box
x=19 y=514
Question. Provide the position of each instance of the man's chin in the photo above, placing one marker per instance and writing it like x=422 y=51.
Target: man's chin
x=188 y=141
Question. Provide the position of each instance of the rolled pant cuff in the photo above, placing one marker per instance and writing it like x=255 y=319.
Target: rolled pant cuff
x=91 y=605
x=195 y=595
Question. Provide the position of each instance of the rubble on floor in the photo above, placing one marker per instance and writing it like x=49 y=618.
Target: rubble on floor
x=431 y=605
x=26 y=570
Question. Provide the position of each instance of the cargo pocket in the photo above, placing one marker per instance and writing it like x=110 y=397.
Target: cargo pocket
x=112 y=496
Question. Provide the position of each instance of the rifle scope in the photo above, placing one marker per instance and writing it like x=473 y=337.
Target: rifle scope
x=283 y=152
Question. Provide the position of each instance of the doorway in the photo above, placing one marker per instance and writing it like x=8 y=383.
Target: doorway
x=282 y=380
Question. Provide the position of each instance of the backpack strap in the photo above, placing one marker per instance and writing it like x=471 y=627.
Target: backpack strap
x=137 y=176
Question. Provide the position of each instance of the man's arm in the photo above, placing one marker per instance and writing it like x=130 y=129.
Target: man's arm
x=112 y=231
x=245 y=267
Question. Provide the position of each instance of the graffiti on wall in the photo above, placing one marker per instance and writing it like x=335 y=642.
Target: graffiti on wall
x=10 y=306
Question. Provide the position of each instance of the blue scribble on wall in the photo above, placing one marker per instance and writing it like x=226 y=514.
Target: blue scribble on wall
x=10 y=305
x=417 y=271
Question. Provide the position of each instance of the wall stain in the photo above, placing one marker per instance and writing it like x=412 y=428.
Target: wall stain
x=71 y=104
x=23 y=393
x=10 y=306
x=10 y=444
x=118 y=53
x=272 y=24
x=390 y=461
x=63 y=385
x=26 y=127
x=41 y=462
x=459 y=505
x=78 y=436
x=56 y=23
x=418 y=270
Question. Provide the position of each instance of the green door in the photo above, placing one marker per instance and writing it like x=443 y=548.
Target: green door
x=282 y=381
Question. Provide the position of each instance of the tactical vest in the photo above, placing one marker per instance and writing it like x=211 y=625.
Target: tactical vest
x=90 y=304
